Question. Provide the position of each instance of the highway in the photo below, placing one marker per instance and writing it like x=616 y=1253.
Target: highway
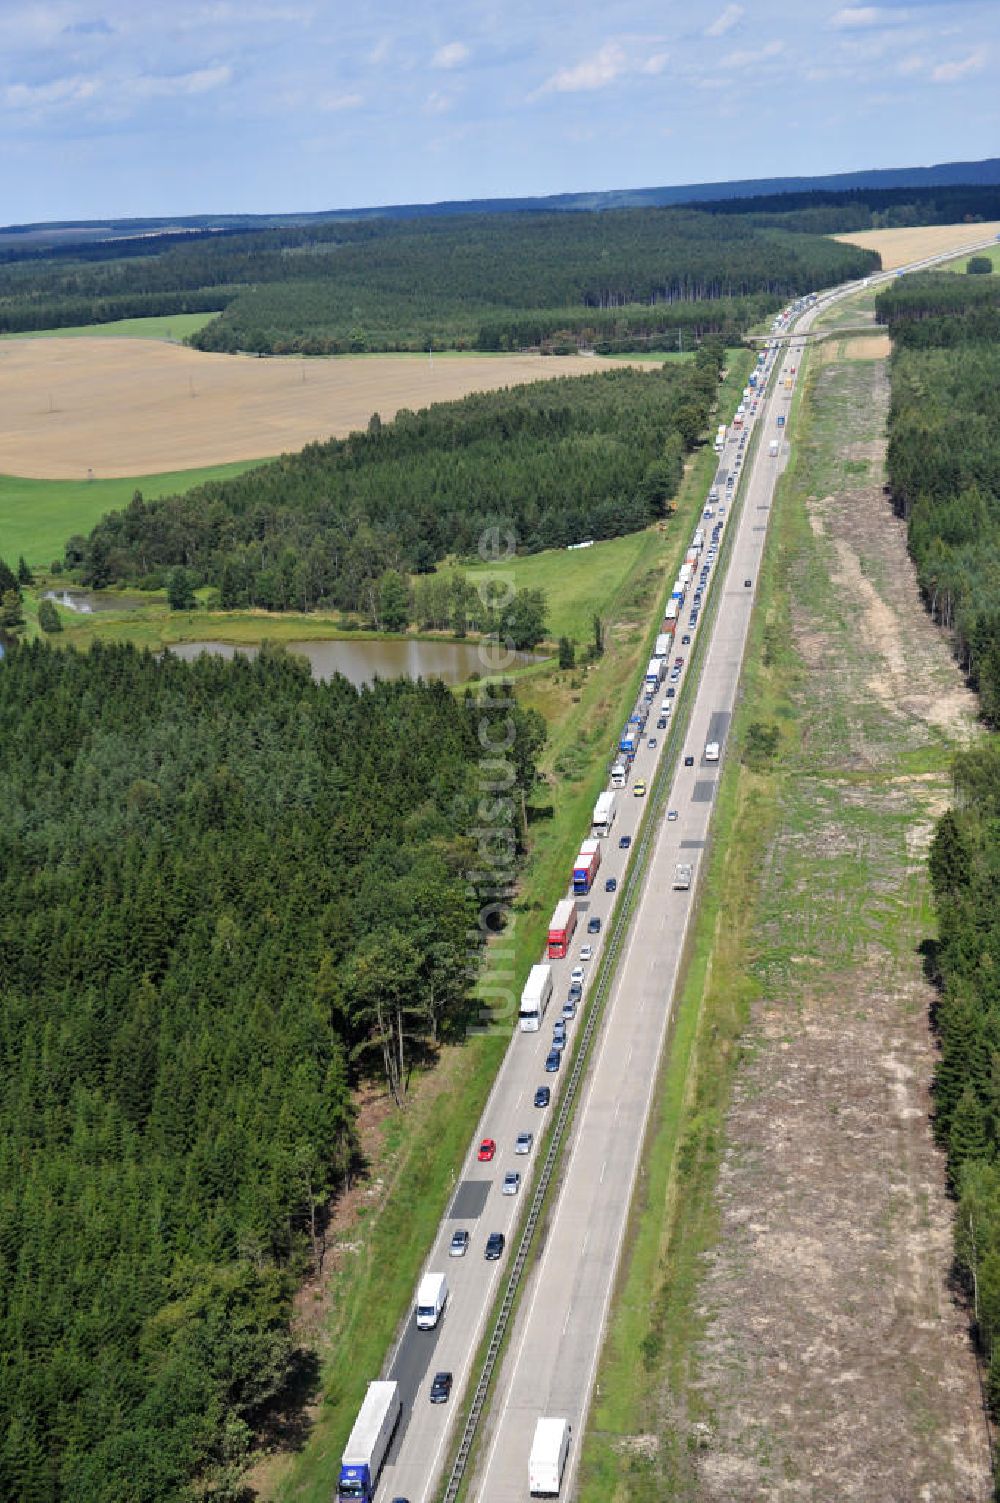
x=556 y=1338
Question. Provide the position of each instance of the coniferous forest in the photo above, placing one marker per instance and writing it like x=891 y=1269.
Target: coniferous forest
x=558 y=461
x=226 y=893
x=944 y=470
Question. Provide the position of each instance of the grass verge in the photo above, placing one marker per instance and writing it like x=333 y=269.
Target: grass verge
x=174 y=326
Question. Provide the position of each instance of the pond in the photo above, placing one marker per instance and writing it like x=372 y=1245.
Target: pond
x=454 y=662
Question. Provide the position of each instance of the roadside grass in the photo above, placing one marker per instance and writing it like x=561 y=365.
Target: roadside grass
x=173 y=326
x=37 y=516
x=961 y=262
x=584 y=708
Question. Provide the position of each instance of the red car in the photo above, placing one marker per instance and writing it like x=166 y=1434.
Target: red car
x=487 y=1149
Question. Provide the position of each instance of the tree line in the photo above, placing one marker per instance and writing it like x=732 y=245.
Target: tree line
x=336 y=286
x=557 y=461
x=227 y=893
x=944 y=471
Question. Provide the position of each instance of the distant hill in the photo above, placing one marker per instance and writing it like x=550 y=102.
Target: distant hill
x=64 y=233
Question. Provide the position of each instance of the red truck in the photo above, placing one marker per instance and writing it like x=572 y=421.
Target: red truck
x=562 y=928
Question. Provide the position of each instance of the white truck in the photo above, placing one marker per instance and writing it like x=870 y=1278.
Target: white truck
x=604 y=815
x=662 y=646
x=619 y=775
x=772 y=448
x=682 y=876
x=368 y=1443
x=712 y=751
x=720 y=438
x=547 y=1461
x=432 y=1296
x=535 y=998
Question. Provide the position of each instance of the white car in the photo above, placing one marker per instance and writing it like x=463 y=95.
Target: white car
x=587 y=952
x=576 y=976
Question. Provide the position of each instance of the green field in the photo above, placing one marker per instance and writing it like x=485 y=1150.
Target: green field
x=37 y=516
x=577 y=582
x=174 y=326
x=992 y=252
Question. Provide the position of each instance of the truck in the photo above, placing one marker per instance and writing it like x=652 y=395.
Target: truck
x=562 y=927
x=691 y=556
x=682 y=876
x=547 y=1461
x=535 y=998
x=619 y=775
x=712 y=751
x=669 y=627
x=654 y=672
x=662 y=646
x=604 y=815
x=671 y=612
x=698 y=541
x=720 y=438
x=629 y=744
x=685 y=575
x=432 y=1296
x=772 y=449
x=585 y=867
x=368 y=1443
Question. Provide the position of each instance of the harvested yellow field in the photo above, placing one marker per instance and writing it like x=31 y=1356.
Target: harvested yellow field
x=868 y=347
x=900 y=247
x=110 y=407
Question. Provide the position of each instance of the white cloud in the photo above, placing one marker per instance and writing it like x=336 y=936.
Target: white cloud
x=864 y=17
x=724 y=22
x=592 y=73
x=912 y=64
x=751 y=58
x=333 y=102
x=169 y=86
x=451 y=56
x=437 y=103
x=60 y=91
x=961 y=68
x=656 y=63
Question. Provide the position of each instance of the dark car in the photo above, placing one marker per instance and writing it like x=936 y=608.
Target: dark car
x=747 y=583
x=624 y=841
x=689 y=761
x=661 y=724
x=685 y=641
x=651 y=743
x=494 y=1246
x=594 y=925
x=611 y=885
x=670 y=693
x=575 y=992
x=441 y=1388
x=552 y=1061
x=543 y=1096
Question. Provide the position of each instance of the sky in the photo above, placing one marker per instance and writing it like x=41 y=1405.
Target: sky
x=140 y=107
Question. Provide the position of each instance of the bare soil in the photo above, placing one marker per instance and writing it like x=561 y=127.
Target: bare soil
x=836 y=1363
x=110 y=407
x=899 y=247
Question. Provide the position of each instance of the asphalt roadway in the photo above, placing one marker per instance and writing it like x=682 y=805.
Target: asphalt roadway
x=555 y=1343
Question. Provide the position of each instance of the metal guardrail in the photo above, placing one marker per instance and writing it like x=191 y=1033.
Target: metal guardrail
x=635 y=875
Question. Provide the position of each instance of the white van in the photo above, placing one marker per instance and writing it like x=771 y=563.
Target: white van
x=547 y=1461
x=712 y=751
x=432 y=1296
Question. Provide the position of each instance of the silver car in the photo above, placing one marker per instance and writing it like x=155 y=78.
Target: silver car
x=511 y=1183
x=524 y=1142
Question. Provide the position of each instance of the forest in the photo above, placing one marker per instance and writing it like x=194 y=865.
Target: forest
x=944 y=472
x=468 y=281
x=226 y=894
x=558 y=461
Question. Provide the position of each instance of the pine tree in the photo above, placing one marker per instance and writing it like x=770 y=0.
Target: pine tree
x=967 y=1135
x=24 y=574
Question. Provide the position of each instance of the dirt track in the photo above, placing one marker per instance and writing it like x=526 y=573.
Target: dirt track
x=138 y=407
x=897 y=247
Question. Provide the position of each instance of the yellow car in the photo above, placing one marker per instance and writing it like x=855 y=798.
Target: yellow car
x=639 y=790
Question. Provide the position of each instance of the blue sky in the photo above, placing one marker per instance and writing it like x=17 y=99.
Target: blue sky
x=118 y=107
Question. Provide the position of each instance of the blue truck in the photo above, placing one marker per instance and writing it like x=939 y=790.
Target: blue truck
x=368 y=1444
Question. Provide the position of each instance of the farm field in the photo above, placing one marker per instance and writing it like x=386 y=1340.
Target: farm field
x=37 y=516
x=123 y=407
x=174 y=326
x=898 y=247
